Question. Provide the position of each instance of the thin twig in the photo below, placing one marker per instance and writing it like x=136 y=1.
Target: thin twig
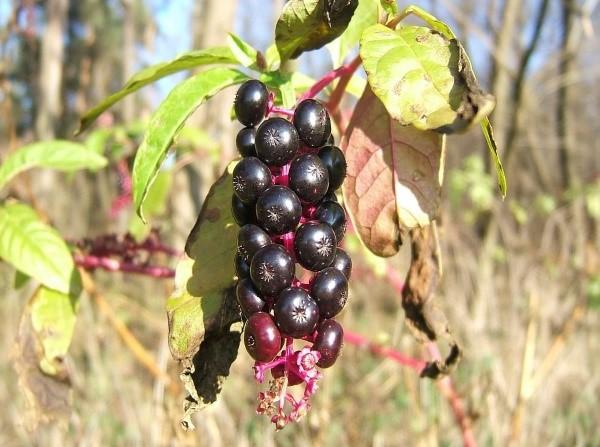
x=141 y=354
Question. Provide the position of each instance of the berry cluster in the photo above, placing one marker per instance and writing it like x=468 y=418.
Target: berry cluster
x=284 y=201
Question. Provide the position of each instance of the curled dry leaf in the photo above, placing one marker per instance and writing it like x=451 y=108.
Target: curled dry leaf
x=394 y=175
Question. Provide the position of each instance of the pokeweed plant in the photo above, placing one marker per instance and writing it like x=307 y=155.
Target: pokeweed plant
x=420 y=88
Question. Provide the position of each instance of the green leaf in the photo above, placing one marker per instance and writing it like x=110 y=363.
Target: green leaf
x=55 y=154
x=97 y=140
x=168 y=119
x=389 y=6
x=366 y=14
x=20 y=279
x=283 y=83
x=431 y=20
x=36 y=248
x=205 y=273
x=53 y=316
x=488 y=133
x=423 y=78
x=309 y=24
x=155 y=204
x=272 y=58
x=185 y=61
x=244 y=53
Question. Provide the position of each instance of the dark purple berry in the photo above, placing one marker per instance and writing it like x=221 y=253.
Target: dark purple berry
x=312 y=122
x=329 y=289
x=308 y=178
x=335 y=162
x=315 y=245
x=247 y=297
x=329 y=342
x=242 y=213
x=342 y=262
x=245 y=142
x=272 y=270
x=276 y=141
x=329 y=197
x=242 y=268
x=332 y=214
x=250 y=178
x=278 y=210
x=261 y=337
x=251 y=238
x=251 y=102
x=279 y=371
x=296 y=313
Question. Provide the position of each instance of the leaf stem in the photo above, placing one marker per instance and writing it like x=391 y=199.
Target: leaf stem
x=344 y=71
x=91 y=262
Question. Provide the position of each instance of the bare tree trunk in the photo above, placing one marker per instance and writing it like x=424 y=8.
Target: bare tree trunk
x=50 y=79
x=501 y=78
x=128 y=56
x=566 y=67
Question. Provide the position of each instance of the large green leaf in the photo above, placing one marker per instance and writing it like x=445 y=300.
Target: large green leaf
x=205 y=272
x=309 y=24
x=244 y=53
x=55 y=154
x=185 y=61
x=35 y=248
x=423 y=78
x=366 y=14
x=154 y=205
x=168 y=119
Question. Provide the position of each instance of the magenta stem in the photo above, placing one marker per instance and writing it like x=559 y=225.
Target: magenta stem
x=90 y=262
x=281 y=111
x=329 y=77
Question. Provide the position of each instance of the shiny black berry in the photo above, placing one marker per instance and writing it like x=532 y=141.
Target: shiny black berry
x=312 y=122
x=334 y=215
x=248 y=298
x=242 y=268
x=276 y=141
x=272 y=270
x=329 y=289
x=278 y=210
x=335 y=162
x=329 y=197
x=242 y=213
x=315 y=245
x=329 y=342
x=251 y=102
x=308 y=178
x=251 y=238
x=342 y=262
x=261 y=337
x=245 y=142
x=250 y=178
x=296 y=313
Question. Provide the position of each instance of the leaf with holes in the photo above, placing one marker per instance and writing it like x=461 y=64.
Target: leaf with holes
x=309 y=24
x=185 y=61
x=394 y=175
x=169 y=118
x=423 y=78
x=55 y=154
x=35 y=248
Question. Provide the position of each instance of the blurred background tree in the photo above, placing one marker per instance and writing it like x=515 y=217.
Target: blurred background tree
x=521 y=280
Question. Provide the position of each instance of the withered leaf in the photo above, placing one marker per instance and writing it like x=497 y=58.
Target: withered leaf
x=394 y=175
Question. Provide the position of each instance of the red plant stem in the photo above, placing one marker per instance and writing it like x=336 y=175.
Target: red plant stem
x=355 y=339
x=328 y=78
x=454 y=400
x=90 y=262
x=281 y=111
